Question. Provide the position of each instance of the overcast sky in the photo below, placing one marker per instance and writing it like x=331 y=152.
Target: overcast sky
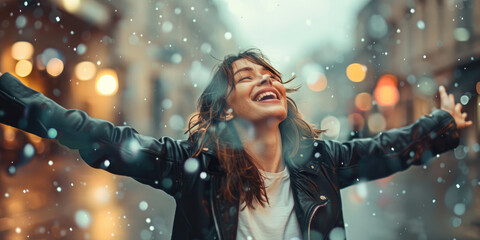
x=287 y=29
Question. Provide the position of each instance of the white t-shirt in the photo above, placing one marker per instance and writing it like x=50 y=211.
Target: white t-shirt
x=274 y=221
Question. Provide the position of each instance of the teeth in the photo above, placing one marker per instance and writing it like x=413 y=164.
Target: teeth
x=262 y=95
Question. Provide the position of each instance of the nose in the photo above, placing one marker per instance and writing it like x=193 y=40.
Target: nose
x=266 y=79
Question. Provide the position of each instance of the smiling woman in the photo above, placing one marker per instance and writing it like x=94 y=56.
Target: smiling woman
x=252 y=167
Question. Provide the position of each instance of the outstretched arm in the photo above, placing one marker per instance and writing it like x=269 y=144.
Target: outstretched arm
x=117 y=149
x=397 y=149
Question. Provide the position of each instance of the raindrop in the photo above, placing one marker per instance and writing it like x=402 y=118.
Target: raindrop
x=176 y=122
x=176 y=58
x=50 y=162
x=52 y=133
x=12 y=170
x=28 y=150
x=167 y=27
x=203 y=175
x=362 y=190
x=461 y=34
x=177 y=11
x=83 y=219
x=143 y=205
x=59 y=189
x=206 y=48
x=167 y=103
x=57 y=19
x=81 y=49
x=191 y=165
x=21 y=21
x=377 y=26
x=228 y=35
x=106 y=163
x=459 y=209
x=464 y=99
x=148 y=220
x=456 y=221
x=337 y=234
x=421 y=24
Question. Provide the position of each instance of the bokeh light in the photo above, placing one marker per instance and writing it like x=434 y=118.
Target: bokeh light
x=314 y=76
x=356 y=72
x=85 y=70
x=55 y=67
x=478 y=87
x=22 y=50
x=317 y=84
x=107 y=82
x=376 y=123
x=71 y=5
x=386 y=93
x=23 y=68
x=332 y=125
x=461 y=34
x=356 y=121
x=363 y=101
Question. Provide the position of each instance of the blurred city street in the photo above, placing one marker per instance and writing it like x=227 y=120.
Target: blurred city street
x=364 y=66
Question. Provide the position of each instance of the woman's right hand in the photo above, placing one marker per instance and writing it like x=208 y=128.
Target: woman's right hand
x=447 y=103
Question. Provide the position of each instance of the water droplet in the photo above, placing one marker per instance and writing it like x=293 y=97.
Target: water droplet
x=83 y=219
x=228 y=35
x=191 y=165
x=52 y=133
x=143 y=205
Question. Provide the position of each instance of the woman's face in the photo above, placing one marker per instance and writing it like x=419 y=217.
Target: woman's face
x=259 y=95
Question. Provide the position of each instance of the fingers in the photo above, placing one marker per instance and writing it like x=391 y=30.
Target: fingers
x=443 y=93
x=451 y=99
x=458 y=108
x=468 y=123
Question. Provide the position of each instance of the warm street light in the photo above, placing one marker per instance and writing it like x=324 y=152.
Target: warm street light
x=22 y=50
x=107 y=82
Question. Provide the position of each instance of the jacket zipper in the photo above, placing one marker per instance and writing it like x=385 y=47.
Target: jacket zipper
x=311 y=217
x=213 y=210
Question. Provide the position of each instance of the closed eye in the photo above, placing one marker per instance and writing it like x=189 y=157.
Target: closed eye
x=244 y=78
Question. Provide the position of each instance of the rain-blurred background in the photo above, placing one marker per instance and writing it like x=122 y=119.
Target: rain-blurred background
x=365 y=66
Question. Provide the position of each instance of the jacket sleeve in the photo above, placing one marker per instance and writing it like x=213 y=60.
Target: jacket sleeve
x=117 y=149
x=394 y=150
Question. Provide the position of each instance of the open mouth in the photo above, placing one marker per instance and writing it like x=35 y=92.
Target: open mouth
x=268 y=94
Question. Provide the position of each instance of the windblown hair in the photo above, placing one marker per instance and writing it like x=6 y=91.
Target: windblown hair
x=209 y=127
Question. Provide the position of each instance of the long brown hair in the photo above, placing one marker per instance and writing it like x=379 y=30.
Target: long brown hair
x=209 y=127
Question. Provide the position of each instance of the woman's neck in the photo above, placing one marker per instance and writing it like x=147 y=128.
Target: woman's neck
x=266 y=147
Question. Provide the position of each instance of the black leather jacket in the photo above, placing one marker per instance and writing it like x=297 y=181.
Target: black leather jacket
x=318 y=171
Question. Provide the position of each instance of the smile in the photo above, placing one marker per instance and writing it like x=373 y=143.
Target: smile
x=266 y=94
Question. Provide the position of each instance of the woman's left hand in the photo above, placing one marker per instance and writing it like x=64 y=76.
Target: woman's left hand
x=447 y=103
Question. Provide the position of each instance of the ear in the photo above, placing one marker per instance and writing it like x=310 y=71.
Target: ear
x=229 y=114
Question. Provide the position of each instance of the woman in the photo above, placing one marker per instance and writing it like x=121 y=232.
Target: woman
x=252 y=168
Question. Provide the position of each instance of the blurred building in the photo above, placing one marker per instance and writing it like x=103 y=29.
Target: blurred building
x=137 y=63
x=409 y=49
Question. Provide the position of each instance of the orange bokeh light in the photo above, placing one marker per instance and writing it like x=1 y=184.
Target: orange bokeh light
x=320 y=84
x=363 y=101
x=386 y=93
x=356 y=72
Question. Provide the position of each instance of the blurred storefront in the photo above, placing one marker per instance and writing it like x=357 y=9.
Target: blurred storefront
x=137 y=63
x=409 y=49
